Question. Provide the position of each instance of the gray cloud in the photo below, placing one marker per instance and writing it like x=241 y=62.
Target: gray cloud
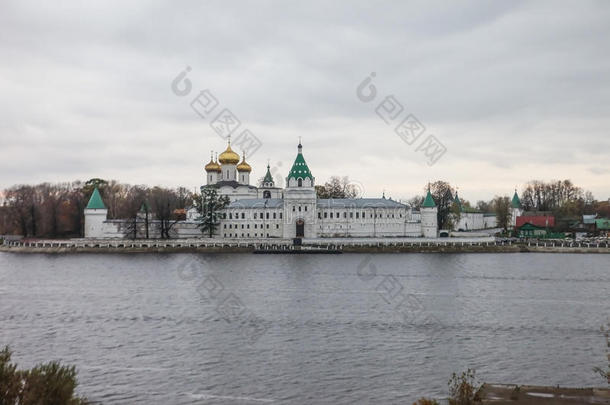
x=515 y=90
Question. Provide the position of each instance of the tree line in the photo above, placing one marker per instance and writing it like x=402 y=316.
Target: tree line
x=566 y=201
x=56 y=210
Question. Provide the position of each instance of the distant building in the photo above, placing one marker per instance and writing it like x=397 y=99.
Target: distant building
x=542 y=219
x=587 y=225
x=602 y=226
x=472 y=219
x=528 y=230
x=589 y=219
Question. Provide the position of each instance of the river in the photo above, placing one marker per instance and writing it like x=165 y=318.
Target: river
x=316 y=329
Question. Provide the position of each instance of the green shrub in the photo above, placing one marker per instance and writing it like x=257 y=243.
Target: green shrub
x=463 y=389
x=45 y=384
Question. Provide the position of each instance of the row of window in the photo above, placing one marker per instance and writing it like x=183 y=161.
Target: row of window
x=329 y=227
x=351 y=215
x=247 y=226
x=326 y=214
x=256 y=215
x=243 y=235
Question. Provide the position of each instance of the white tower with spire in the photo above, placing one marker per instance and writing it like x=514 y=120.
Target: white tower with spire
x=515 y=209
x=268 y=188
x=429 y=219
x=95 y=215
x=299 y=200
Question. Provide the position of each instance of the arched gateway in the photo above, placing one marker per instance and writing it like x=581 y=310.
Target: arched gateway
x=300 y=228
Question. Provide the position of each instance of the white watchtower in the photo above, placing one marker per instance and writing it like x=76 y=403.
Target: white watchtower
x=95 y=215
x=429 y=220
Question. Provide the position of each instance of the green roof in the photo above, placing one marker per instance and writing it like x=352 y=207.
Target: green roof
x=429 y=201
x=268 y=177
x=530 y=227
x=300 y=168
x=602 y=223
x=457 y=201
x=95 y=202
x=145 y=207
x=516 y=202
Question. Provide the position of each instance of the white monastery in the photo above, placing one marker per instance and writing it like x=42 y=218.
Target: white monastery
x=292 y=212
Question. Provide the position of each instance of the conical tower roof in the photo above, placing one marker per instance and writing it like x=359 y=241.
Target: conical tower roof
x=96 y=202
x=457 y=201
x=299 y=167
x=429 y=201
x=268 y=177
x=516 y=202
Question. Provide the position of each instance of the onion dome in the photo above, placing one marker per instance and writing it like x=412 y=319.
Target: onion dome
x=228 y=157
x=243 y=166
x=212 y=166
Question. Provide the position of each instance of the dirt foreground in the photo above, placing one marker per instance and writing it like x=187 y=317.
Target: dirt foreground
x=501 y=394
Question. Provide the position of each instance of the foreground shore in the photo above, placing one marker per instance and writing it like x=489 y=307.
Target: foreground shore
x=313 y=246
x=501 y=394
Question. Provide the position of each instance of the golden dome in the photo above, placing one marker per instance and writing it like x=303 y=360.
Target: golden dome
x=228 y=157
x=243 y=166
x=212 y=166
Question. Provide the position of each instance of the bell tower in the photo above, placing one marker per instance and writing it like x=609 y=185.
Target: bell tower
x=300 y=200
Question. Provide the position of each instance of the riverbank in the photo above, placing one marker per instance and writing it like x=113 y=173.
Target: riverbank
x=501 y=394
x=471 y=245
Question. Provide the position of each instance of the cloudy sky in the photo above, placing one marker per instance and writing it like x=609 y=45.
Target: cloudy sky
x=513 y=90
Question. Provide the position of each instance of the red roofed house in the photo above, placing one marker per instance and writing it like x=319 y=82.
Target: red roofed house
x=542 y=220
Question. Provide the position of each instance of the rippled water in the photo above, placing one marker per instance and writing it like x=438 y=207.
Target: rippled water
x=231 y=329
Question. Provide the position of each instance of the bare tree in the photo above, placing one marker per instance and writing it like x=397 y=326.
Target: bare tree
x=134 y=202
x=416 y=202
x=337 y=187
x=164 y=202
x=442 y=192
x=485 y=206
x=501 y=206
x=21 y=203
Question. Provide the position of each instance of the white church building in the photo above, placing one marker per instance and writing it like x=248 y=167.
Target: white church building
x=267 y=211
